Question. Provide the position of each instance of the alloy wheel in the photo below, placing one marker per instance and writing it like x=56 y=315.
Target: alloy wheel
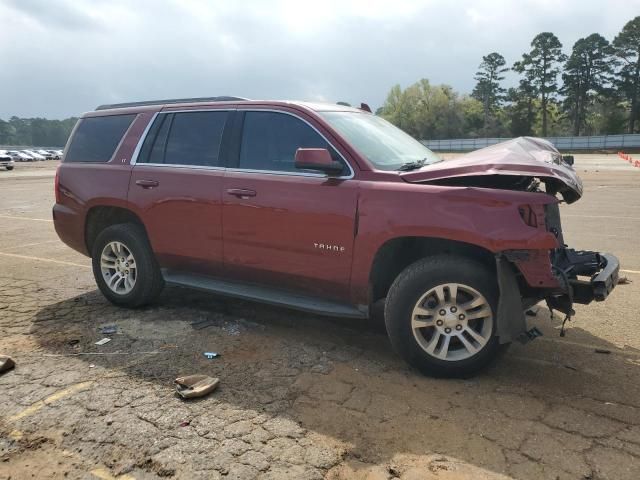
x=118 y=267
x=452 y=322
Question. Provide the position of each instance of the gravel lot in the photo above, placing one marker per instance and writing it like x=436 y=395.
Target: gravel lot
x=301 y=396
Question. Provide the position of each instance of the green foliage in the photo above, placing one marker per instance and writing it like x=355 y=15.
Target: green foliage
x=586 y=75
x=599 y=94
x=432 y=111
x=540 y=68
x=488 y=89
x=38 y=132
x=626 y=47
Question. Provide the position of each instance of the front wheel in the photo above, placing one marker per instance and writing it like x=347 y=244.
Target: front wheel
x=9 y=167
x=440 y=315
x=124 y=266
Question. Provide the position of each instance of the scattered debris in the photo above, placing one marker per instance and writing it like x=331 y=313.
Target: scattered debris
x=103 y=341
x=603 y=350
x=108 y=330
x=232 y=329
x=211 y=355
x=624 y=281
x=168 y=346
x=6 y=364
x=91 y=365
x=531 y=313
x=151 y=352
x=570 y=367
x=203 y=323
x=193 y=386
x=73 y=342
x=185 y=423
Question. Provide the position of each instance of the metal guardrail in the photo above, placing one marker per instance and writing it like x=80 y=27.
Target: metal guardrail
x=595 y=142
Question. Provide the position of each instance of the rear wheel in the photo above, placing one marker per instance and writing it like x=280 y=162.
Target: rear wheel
x=9 y=167
x=124 y=266
x=440 y=316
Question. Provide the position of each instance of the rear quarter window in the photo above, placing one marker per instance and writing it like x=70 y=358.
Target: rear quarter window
x=96 y=138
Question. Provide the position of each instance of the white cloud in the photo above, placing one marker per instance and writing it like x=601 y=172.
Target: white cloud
x=65 y=57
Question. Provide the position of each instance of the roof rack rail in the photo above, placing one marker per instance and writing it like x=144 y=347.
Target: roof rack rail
x=223 y=98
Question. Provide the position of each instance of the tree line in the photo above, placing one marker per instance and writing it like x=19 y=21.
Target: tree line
x=594 y=90
x=36 y=132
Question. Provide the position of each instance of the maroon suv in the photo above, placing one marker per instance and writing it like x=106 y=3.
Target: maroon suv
x=327 y=209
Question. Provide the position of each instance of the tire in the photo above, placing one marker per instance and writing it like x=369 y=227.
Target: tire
x=143 y=283
x=9 y=167
x=420 y=336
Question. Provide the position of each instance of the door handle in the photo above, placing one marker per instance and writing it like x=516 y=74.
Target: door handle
x=147 y=183
x=241 y=192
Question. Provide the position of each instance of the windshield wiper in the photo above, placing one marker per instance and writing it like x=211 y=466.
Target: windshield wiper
x=405 y=167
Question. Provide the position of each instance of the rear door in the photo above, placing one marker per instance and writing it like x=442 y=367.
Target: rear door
x=176 y=184
x=284 y=227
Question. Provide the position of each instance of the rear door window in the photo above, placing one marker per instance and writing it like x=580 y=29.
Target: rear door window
x=96 y=138
x=185 y=138
x=270 y=140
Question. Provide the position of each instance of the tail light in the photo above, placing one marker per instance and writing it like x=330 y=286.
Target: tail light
x=56 y=185
x=528 y=215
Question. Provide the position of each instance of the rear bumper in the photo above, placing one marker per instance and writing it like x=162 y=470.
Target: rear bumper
x=69 y=226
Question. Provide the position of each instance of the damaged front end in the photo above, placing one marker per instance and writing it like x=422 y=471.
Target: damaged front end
x=550 y=270
x=561 y=276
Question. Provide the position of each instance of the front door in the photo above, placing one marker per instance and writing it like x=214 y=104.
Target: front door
x=176 y=185
x=283 y=227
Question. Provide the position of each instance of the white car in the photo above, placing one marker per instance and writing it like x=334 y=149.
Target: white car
x=6 y=160
x=34 y=155
x=20 y=156
x=56 y=154
x=46 y=154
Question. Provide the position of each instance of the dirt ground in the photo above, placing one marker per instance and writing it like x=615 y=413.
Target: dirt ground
x=301 y=396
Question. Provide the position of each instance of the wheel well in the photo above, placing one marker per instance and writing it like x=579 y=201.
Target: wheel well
x=99 y=218
x=397 y=254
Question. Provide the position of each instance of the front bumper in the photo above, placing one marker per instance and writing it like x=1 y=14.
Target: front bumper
x=586 y=275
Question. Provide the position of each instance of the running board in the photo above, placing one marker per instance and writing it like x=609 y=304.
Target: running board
x=262 y=294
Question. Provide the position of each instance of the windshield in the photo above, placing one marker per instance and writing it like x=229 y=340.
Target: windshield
x=384 y=145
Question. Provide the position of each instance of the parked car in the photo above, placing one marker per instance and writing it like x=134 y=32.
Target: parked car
x=46 y=154
x=55 y=154
x=327 y=209
x=19 y=156
x=6 y=160
x=35 y=155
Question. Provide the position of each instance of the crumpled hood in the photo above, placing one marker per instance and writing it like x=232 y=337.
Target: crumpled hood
x=519 y=157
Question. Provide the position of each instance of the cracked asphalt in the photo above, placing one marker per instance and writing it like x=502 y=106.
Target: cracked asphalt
x=303 y=397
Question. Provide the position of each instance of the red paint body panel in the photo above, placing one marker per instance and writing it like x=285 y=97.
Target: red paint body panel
x=273 y=236
x=182 y=215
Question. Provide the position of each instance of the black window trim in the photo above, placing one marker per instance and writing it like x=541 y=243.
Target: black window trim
x=223 y=144
x=238 y=138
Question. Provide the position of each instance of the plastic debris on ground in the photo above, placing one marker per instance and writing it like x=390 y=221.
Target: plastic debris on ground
x=108 y=330
x=602 y=350
x=192 y=386
x=6 y=364
x=203 y=323
x=211 y=355
x=103 y=341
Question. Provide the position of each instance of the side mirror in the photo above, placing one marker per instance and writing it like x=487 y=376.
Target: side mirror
x=317 y=159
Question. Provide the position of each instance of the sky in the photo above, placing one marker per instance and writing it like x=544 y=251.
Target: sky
x=60 y=58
